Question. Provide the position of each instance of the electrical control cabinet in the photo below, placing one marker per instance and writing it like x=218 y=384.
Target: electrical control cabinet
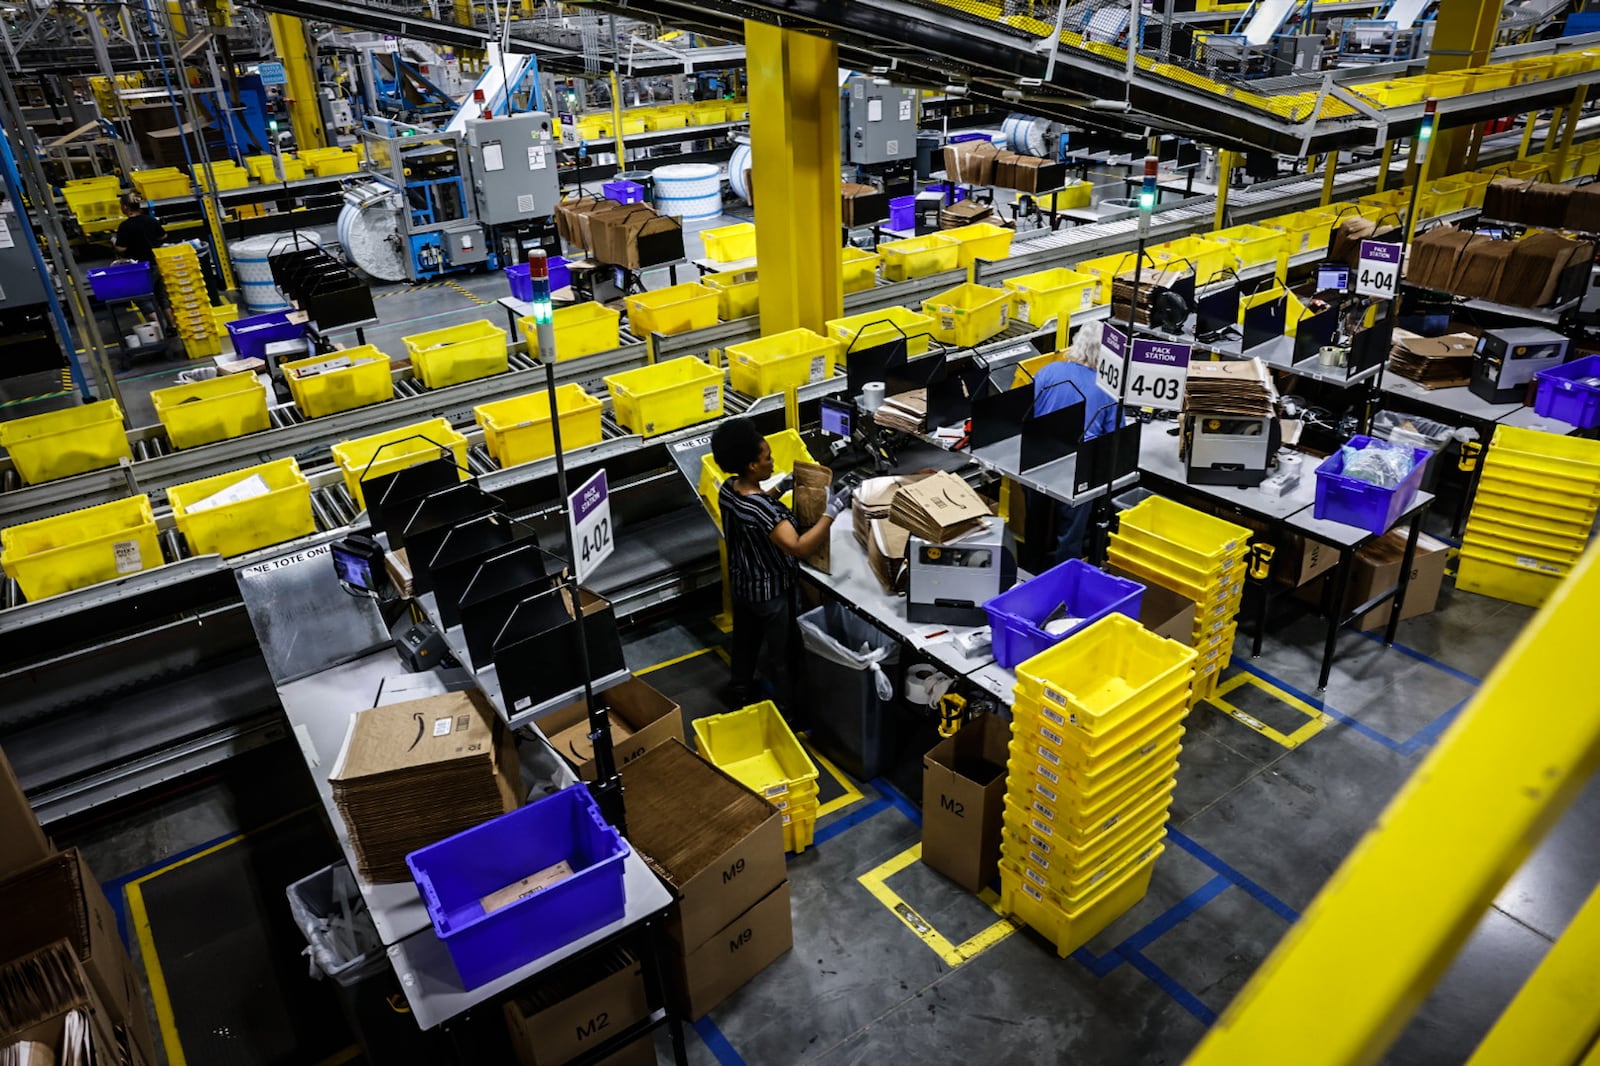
x=878 y=121
x=513 y=168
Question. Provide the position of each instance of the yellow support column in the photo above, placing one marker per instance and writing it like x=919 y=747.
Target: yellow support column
x=1569 y=130
x=616 y=124
x=1383 y=167
x=305 y=110
x=1330 y=171
x=1552 y=135
x=1224 y=179
x=1527 y=134
x=794 y=145
x=1464 y=34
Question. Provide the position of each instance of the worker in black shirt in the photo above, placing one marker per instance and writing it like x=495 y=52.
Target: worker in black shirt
x=140 y=234
x=764 y=549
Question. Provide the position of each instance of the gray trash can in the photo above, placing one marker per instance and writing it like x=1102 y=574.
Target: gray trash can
x=849 y=682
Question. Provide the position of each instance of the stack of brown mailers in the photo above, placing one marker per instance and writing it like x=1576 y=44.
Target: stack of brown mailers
x=1432 y=362
x=904 y=411
x=1431 y=263
x=1480 y=268
x=1583 y=209
x=1237 y=388
x=1124 y=293
x=1537 y=262
x=939 y=509
x=411 y=774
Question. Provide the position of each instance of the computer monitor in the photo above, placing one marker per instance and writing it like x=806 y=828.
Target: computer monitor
x=1333 y=277
x=837 y=418
x=1217 y=312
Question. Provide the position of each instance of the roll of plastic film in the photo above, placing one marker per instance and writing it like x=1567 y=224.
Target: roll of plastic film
x=251 y=257
x=738 y=163
x=689 y=190
x=872 y=395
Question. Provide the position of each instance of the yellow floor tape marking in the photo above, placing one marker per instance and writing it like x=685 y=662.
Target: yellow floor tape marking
x=876 y=881
x=1317 y=720
x=339 y=1058
x=852 y=795
x=147 y=943
x=464 y=292
x=672 y=662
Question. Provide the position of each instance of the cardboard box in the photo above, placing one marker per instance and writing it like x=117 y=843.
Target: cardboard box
x=862 y=205
x=58 y=898
x=964 y=213
x=961 y=808
x=583 y=219
x=1377 y=567
x=44 y=987
x=713 y=840
x=567 y=212
x=1033 y=174
x=736 y=952
x=970 y=162
x=22 y=842
x=637 y=239
x=641 y=718
x=1005 y=169
x=1162 y=611
x=556 y=1022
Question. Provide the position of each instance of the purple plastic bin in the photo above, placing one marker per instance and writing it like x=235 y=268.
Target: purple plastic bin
x=522 y=284
x=1564 y=394
x=1361 y=503
x=903 y=213
x=623 y=192
x=943 y=189
x=252 y=335
x=1016 y=615
x=455 y=874
x=123 y=281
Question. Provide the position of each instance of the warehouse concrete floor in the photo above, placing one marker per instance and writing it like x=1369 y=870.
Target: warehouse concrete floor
x=198 y=874
x=1256 y=830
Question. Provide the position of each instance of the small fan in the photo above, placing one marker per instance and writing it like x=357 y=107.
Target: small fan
x=1168 y=311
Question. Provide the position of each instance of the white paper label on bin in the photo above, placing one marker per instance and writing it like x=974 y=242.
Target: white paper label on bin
x=1043 y=863
x=712 y=394
x=1038 y=843
x=1036 y=879
x=1049 y=774
x=818 y=362
x=1055 y=738
x=129 y=558
x=1025 y=313
x=1047 y=793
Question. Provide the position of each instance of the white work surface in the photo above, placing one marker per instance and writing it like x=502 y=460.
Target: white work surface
x=853 y=582
x=1457 y=398
x=319 y=709
x=1158 y=454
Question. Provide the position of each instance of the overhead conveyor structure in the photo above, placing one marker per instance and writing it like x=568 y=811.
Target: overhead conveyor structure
x=1023 y=62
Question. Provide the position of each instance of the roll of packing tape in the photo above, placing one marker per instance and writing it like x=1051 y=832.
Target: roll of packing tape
x=872 y=395
x=925 y=686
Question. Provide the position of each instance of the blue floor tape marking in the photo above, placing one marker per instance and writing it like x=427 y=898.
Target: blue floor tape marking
x=1273 y=903
x=113 y=888
x=1424 y=736
x=894 y=796
x=1100 y=965
x=1423 y=657
x=1164 y=981
x=1175 y=914
x=1429 y=733
x=1321 y=705
x=717 y=1043
x=850 y=821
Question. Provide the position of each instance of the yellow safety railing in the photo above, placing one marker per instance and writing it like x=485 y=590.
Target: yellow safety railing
x=1417 y=885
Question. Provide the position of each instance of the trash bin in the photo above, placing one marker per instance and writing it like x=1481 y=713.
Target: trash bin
x=343 y=945
x=849 y=682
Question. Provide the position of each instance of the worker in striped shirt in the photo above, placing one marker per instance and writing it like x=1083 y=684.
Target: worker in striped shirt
x=764 y=548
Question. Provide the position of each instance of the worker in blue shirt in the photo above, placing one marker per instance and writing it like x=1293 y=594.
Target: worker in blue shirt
x=1061 y=384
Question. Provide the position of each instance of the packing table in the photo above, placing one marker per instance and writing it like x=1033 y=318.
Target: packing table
x=319 y=708
x=1288 y=515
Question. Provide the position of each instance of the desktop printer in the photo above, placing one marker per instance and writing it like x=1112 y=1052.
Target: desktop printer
x=1228 y=449
x=1507 y=359
x=951 y=582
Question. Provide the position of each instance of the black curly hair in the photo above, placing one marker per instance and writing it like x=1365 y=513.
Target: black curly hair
x=735 y=444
